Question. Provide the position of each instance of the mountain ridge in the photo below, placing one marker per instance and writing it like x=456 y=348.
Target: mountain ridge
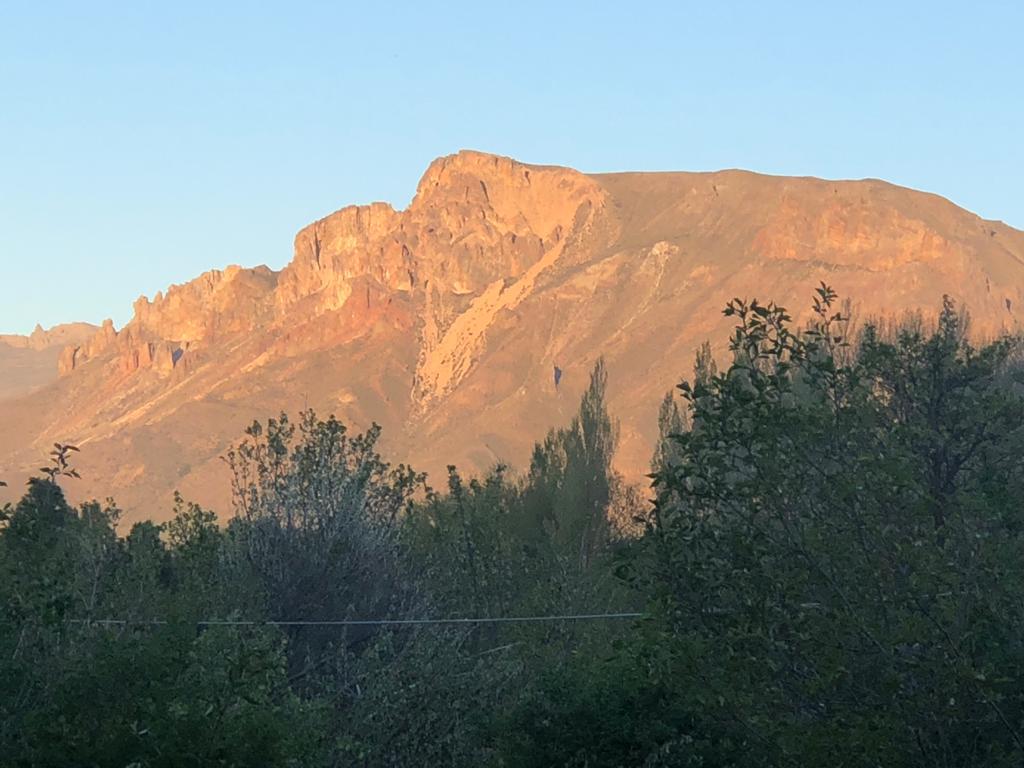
x=443 y=321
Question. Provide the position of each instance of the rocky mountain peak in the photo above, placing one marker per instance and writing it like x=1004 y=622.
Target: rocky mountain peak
x=476 y=218
x=514 y=197
x=444 y=321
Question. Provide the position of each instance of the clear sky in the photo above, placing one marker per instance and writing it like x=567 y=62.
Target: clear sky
x=142 y=143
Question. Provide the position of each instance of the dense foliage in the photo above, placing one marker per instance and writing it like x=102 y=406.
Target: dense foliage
x=830 y=569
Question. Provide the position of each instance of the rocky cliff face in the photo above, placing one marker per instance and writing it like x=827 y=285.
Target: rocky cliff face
x=444 y=321
x=218 y=304
x=476 y=219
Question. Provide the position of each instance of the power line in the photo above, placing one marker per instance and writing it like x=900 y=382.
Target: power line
x=356 y=622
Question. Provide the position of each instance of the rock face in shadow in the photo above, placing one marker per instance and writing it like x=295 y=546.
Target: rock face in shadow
x=443 y=321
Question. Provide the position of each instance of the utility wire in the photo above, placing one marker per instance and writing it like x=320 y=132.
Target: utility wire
x=357 y=622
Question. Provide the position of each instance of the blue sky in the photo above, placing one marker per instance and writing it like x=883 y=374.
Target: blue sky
x=142 y=143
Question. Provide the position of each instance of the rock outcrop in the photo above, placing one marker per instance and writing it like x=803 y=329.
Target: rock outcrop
x=73 y=356
x=475 y=219
x=216 y=304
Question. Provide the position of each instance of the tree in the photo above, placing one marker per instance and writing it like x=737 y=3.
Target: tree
x=836 y=552
x=570 y=478
x=670 y=422
x=76 y=690
x=319 y=529
x=318 y=516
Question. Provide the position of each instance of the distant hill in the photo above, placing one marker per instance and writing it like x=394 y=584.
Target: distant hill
x=29 y=362
x=444 y=322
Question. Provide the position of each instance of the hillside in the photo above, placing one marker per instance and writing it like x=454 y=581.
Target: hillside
x=30 y=362
x=443 y=322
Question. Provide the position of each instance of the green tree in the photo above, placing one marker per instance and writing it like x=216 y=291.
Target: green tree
x=570 y=478
x=76 y=690
x=322 y=530
x=836 y=549
x=670 y=422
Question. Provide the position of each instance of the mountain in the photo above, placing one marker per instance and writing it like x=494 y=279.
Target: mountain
x=443 y=322
x=29 y=362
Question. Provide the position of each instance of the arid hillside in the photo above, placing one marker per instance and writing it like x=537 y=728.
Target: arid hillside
x=30 y=362
x=444 y=322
